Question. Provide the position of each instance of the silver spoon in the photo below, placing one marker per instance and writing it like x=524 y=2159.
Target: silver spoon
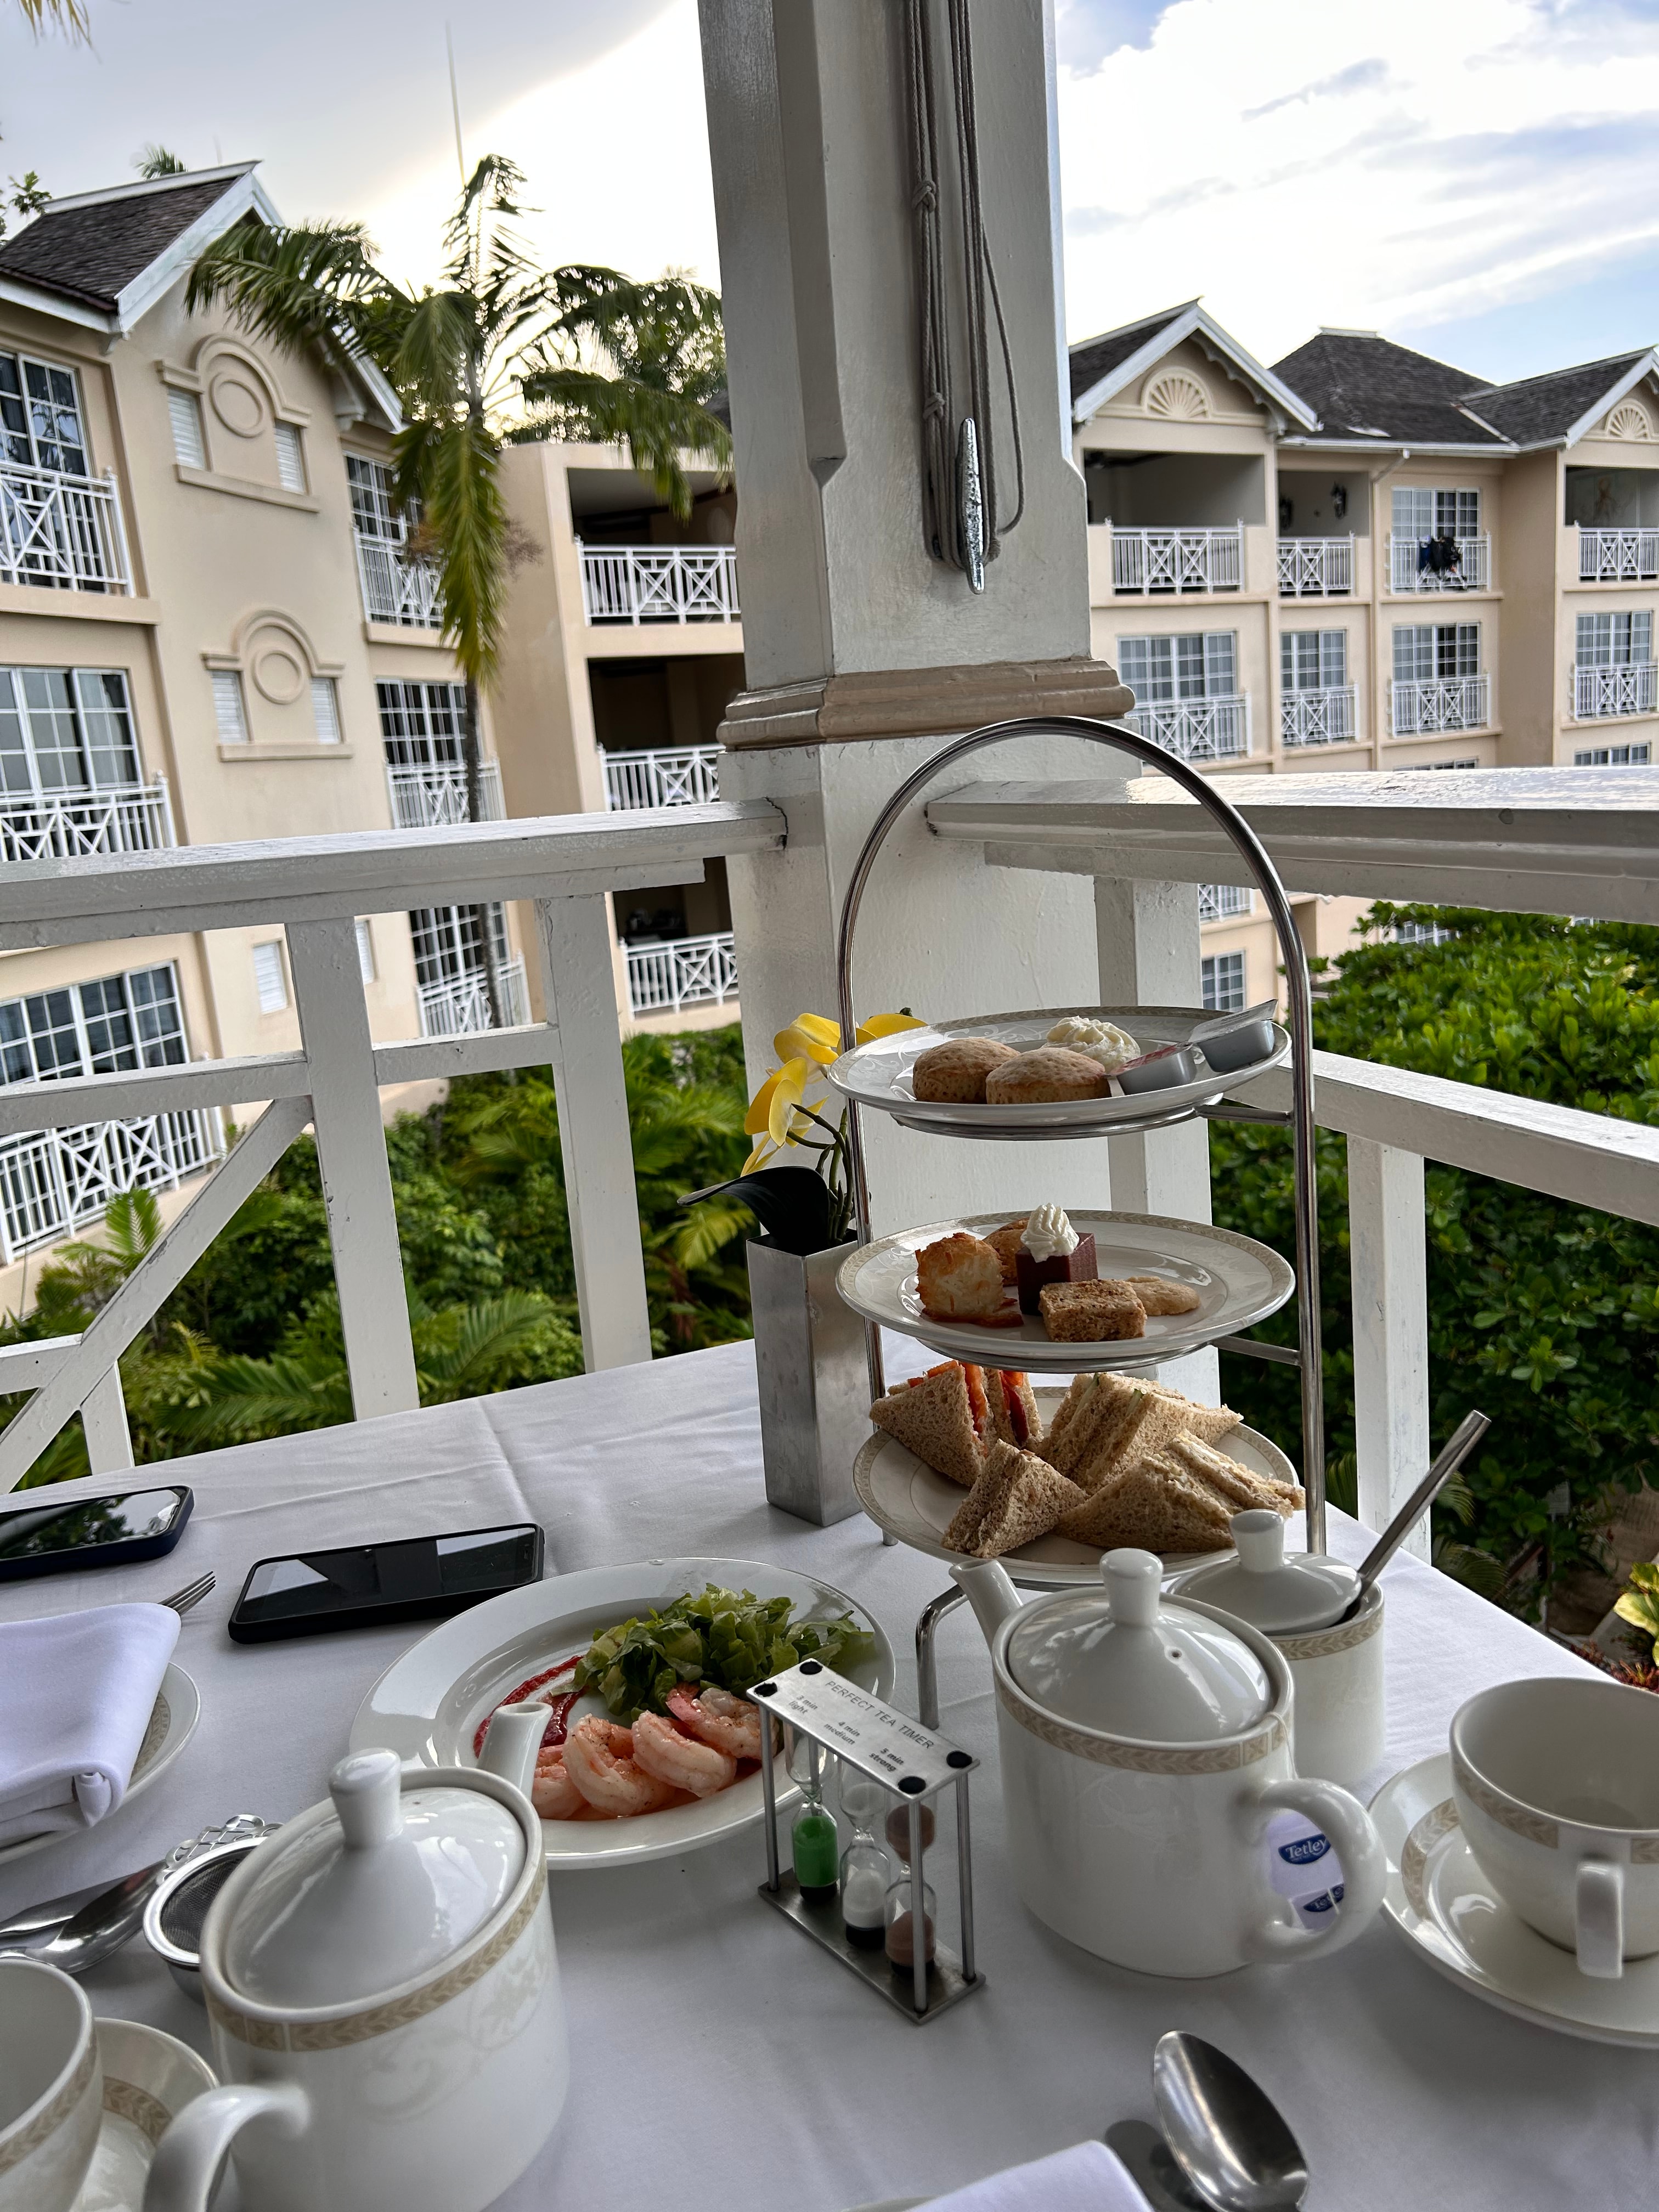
x=75 y=1932
x=1229 y=2137
x=1456 y=1448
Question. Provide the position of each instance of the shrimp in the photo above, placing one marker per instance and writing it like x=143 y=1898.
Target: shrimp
x=599 y=1758
x=730 y=1724
x=682 y=1761
x=553 y=1793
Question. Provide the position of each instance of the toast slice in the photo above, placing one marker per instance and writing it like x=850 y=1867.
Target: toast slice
x=943 y=1416
x=1240 y=1488
x=1017 y=1499
x=1014 y=1416
x=1155 y=1503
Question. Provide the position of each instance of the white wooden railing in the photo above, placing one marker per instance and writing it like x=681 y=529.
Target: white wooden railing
x=659 y=583
x=398 y=587
x=1317 y=717
x=433 y=797
x=676 y=775
x=1197 y=729
x=1178 y=560
x=53 y=1181
x=1224 y=901
x=682 y=971
x=1473 y=572
x=1632 y=689
x=460 y=1004
x=1447 y=702
x=131 y=817
x=1315 y=568
x=62 y=531
x=1618 y=556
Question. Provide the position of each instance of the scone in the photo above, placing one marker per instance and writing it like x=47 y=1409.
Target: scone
x=954 y=1074
x=960 y=1277
x=1160 y=1296
x=1046 y=1076
x=1091 y=1313
x=1004 y=1243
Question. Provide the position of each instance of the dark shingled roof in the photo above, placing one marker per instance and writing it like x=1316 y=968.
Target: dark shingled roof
x=92 y=253
x=1091 y=358
x=1362 y=385
x=1542 y=408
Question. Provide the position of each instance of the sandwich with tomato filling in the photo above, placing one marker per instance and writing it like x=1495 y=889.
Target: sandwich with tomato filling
x=951 y=1416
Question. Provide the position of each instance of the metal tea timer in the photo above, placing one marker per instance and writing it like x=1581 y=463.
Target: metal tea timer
x=914 y=1764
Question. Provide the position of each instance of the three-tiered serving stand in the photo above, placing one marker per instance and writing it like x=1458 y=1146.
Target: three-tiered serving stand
x=1308 y=1355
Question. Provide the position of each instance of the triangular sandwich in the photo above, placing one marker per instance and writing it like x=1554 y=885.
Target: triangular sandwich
x=1018 y=1499
x=1102 y=1417
x=1156 y=1504
x=1237 y=1485
x=1014 y=1415
x=943 y=1416
x=1210 y=1423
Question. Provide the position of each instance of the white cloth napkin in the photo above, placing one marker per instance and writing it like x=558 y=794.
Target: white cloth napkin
x=1088 y=2178
x=76 y=1691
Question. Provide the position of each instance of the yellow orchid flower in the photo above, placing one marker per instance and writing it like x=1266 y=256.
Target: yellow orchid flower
x=762 y=1152
x=881 y=1025
x=809 y=1036
x=772 y=1109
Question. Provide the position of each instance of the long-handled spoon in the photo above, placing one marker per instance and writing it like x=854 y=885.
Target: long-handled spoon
x=1229 y=2137
x=1458 y=1446
x=75 y=1932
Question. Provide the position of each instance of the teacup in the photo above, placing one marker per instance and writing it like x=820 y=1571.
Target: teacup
x=1557 y=1788
x=51 y=2092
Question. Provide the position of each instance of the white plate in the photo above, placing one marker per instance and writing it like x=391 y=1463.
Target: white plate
x=172 y=1724
x=1238 y=1280
x=908 y=1499
x=148 y=2078
x=1445 y=1906
x=428 y=1705
x=878 y=1074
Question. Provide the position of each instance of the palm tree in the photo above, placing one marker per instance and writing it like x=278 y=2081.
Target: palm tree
x=499 y=351
x=69 y=16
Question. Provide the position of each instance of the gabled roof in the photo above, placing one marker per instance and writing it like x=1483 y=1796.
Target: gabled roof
x=1557 y=410
x=1102 y=366
x=1368 y=389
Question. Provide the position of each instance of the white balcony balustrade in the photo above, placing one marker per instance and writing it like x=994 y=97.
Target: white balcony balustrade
x=1315 y=568
x=435 y=796
x=460 y=1006
x=398 y=587
x=1447 y=702
x=1324 y=717
x=1618 y=556
x=682 y=971
x=659 y=583
x=1224 y=902
x=1407 y=571
x=676 y=775
x=1177 y=559
x=1197 y=729
x=63 y=532
x=135 y=818
x=1599 y=692
x=54 y=1181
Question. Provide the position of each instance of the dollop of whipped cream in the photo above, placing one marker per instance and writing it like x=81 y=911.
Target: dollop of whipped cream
x=1049 y=1235
x=1096 y=1040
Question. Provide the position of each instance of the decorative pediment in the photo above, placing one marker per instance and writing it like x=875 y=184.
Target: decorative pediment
x=1630 y=419
x=1178 y=396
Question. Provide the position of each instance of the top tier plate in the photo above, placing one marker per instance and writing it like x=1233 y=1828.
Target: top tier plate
x=879 y=1075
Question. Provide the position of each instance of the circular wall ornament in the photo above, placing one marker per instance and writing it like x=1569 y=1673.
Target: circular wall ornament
x=1178 y=398
x=1629 y=420
x=277 y=673
x=238 y=405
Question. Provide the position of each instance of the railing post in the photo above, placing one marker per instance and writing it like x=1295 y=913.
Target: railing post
x=579 y=986
x=104 y=1420
x=362 y=1223
x=1388 y=1260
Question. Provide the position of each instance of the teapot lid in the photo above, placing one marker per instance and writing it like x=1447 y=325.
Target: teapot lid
x=395 y=1881
x=1277 y=1595
x=1134 y=1666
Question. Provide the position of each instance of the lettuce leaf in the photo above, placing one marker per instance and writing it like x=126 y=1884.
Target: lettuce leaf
x=729 y=1639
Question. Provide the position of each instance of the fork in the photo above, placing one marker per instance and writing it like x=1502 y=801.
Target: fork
x=192 y=1593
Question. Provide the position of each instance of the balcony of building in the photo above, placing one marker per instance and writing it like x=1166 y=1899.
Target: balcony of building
x=458 y=1005
x=1443 y=561
x=1172 y=524
x=399 y=588
x=1316 y=567
x=1322 y=550
x=668 y=775
x=435 y=793
x=1618 y=556
x=1323 y=716
x=126 y=817
x=55 y=1181
x=65 y=532
x=659 y=583
x=1601 y=693
x=1614 y=514
x=1217 y=728
x=1427 y=708
x=667 y=977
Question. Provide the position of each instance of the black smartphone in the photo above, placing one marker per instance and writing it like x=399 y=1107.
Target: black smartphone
x=62 y=1538
x=366 y=1585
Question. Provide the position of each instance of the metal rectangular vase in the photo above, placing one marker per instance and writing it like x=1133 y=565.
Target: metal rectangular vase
x=814 y=1385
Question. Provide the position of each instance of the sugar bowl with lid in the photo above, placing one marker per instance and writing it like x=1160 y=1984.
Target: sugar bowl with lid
x=1145 y=1748
x=383 y=1993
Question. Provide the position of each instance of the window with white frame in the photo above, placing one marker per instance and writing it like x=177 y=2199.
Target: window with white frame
x=290 y=458
x=1431 y=653
x=184 y=414
x=325 y=710
x=65 y=729
x=449 y=942
x=40 y=416
x=270 y=976
x=227 y=710
x=1615 y=641
x=1313 y=659
x=1221 y=976
x=365 y=951
x=373 y=514
x=1614 y=757
x=1427 y=767
x=423 y=725
x=1422 y=511
x=102 y=1028
x=1194 y=664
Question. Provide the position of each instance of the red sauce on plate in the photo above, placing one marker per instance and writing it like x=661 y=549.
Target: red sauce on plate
x=558 y=1708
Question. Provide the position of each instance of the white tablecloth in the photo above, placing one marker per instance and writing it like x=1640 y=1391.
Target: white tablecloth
x=688 y=1997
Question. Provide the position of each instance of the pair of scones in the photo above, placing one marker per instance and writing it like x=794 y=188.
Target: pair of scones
x=979 y=1072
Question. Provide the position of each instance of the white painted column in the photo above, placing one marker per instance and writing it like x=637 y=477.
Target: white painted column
x=1388 y=1258
x=104 y=1421
x=579 y=979
x=362 y=1223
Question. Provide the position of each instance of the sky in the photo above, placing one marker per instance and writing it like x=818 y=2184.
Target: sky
x=1471 y=177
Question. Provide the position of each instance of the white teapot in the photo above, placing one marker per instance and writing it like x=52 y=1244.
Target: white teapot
x=384 y=1998
x=1145 y=1746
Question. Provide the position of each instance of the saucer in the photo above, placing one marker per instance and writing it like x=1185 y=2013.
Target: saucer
x=172 y=1721
x=148 y=2078
x=1445 y=1907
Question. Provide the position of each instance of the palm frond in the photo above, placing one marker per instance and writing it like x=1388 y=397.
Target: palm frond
x=242 y=1398
x=132 y=1224
x=467 y=514
x=460 y=1350
x=306 y=286
x=707 y=1231
x=587 y=407
x=69 y=16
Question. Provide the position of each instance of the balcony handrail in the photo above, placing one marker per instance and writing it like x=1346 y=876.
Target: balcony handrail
x=1325 y=715
x=398 y=588
x=63 y=530
x=1156 y=559
x=110 y=818
x=434 y=794
x=1216 y=728
x=665 y=973
x=1617 y=556
x=459 y=1005
x=1472 y=574
x=1425 y=707
x=659 y=583
x=1600 y=694
x=1315 y=568
x=662 y=776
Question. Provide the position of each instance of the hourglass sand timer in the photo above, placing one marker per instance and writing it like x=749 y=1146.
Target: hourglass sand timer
x=865 y=1868
x=813 y=1836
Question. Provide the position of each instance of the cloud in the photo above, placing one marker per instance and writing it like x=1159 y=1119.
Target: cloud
x=1358 y=77
x=1087 y=30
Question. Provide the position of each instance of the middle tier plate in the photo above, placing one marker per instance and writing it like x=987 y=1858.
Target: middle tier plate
x=1238 y=1282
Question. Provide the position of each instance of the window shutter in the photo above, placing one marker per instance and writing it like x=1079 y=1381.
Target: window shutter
x=269 y=977
x=186 y=415
x=227 y=706
x=290 y=459
x=325 y=710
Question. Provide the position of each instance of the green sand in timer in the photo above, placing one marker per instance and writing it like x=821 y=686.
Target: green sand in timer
x=814 y=1840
